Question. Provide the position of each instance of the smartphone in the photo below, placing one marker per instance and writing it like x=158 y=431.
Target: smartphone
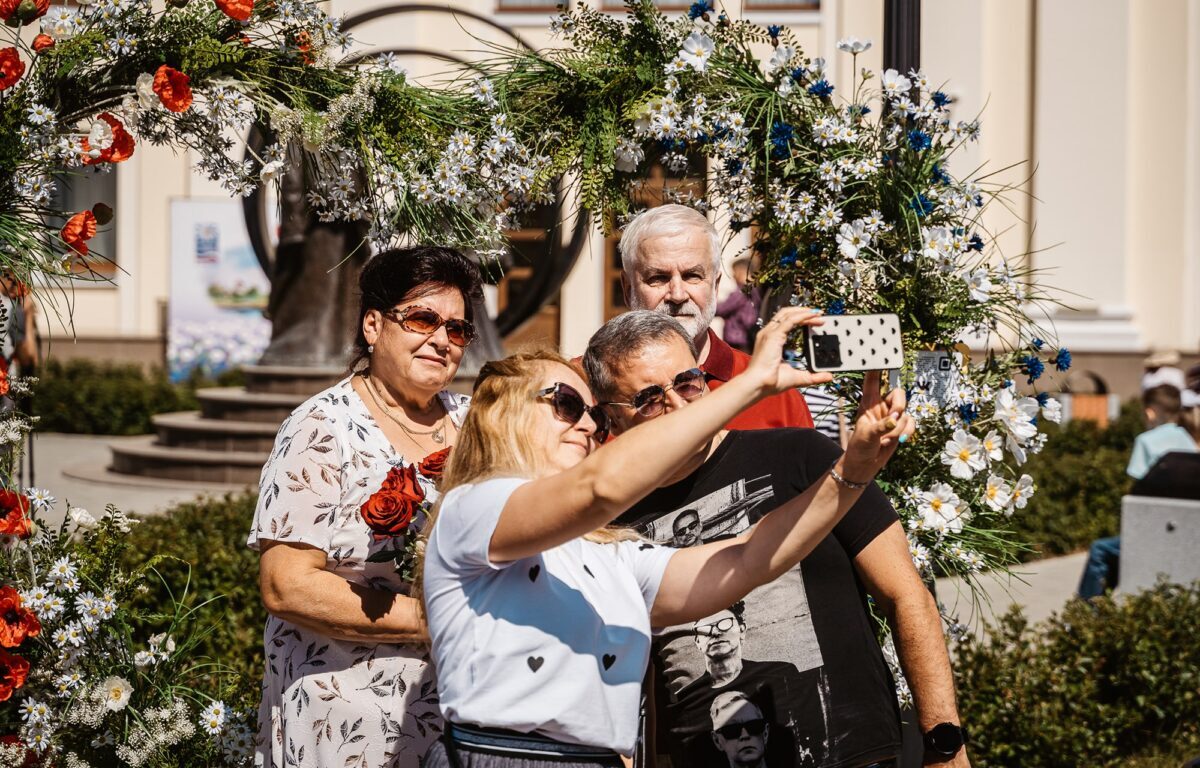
x=854 y=343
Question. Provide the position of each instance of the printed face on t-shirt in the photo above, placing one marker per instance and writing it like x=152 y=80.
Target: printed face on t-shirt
x=719 y=638
x=685 y=530
x=739 y=729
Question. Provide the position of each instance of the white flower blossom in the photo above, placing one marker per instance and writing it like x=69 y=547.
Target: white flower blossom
x=82 y=519
x=780 y=58
x=213 y=717
x=895 y=85
x=117 y=691
x=852 y=238
x=992 y=447
x=697 y=51
x=941 y=509
x=964 y=455
x=1022 y=491
x=853 y=45
x=1052 y=410
x=978 y=284
x=997 y=493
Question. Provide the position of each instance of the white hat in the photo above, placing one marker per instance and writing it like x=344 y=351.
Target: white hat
x=1166 y=375
x=1190 y=398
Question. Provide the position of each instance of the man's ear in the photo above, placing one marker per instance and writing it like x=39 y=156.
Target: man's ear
x=626 y=289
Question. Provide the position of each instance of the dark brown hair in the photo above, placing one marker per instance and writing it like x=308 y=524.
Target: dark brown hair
x=402 y=274
x=1165 y=400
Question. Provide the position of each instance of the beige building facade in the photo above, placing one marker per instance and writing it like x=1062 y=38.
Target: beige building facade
x=1091 y=119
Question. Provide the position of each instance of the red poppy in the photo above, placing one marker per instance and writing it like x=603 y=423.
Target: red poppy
x=236 y=9
x=16 y=621
x=303 y=42
x=390 y=509
x=78 y=230
x=11 y=67
x=173 y=89
x=13 y=671
x=119 y=150
x=42 y=42
x=433 y=465
x=4 y=385
x=14 y=514
x=25 y=11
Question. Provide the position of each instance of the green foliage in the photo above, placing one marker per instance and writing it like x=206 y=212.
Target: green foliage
x=91 y=398
x=1080 y=478
x=205 y=542
x=1096 y=685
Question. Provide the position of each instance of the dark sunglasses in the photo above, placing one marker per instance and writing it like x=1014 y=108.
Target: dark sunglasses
x=652 y=400
x=425 y=321
x=734 y=730
x=569 y=406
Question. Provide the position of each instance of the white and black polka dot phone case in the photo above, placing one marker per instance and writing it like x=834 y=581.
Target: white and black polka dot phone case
x=855 y=343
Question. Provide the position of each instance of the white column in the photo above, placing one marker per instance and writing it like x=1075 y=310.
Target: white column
x=1081 y=145
x=581 y=299
x=1190 y=273
x=128 y=223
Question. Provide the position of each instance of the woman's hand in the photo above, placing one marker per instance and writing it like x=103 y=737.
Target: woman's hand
x=770 y=372
x=881 y=426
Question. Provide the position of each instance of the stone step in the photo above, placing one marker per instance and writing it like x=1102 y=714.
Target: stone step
x=188 y=429
x=287 y=379
x=143 y=456
x=238 y=404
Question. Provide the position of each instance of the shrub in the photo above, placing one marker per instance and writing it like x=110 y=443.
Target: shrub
x=1097 y=685
x=208 y=538
x=1080 y=476
x=91 y=398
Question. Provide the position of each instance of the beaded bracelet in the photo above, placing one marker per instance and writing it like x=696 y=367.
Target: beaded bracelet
x=837 y=478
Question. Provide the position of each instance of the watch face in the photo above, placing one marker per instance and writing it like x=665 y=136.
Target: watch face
x=946 y=738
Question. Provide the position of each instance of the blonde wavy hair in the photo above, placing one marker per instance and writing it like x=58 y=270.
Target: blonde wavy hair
x=495 y=439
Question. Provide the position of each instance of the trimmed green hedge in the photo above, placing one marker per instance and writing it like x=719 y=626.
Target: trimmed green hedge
x=1080 y=477
x=90 y=398
x=1100 y=684
x=207 y=543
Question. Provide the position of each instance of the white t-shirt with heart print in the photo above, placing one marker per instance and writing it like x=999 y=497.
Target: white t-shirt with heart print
x=555 y=644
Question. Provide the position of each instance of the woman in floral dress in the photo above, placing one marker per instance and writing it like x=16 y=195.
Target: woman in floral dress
x=342 y=497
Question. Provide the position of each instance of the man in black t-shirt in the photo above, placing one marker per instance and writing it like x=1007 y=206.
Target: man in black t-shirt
x=803 y=648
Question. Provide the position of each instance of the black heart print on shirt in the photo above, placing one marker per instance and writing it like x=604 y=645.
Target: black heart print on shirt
x=534 y=571
x=609 y=659
x=535 y=663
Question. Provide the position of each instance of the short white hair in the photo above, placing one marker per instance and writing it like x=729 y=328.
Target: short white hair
x=664 y=221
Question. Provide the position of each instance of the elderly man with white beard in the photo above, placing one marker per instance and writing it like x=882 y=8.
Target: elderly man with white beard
x=671 y=263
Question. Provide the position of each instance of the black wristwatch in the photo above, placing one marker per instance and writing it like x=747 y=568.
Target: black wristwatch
x=944 y=740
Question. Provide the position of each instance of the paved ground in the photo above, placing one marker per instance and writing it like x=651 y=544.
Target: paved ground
x=72 y=468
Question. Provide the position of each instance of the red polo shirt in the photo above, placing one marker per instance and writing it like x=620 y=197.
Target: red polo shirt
x=786 y=409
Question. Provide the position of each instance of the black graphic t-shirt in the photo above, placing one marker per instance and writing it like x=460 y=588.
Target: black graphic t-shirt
x=792 y=676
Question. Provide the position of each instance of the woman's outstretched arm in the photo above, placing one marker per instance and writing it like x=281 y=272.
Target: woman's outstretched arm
x=550 y=511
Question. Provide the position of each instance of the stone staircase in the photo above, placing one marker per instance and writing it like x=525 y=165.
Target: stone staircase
x=228 y=440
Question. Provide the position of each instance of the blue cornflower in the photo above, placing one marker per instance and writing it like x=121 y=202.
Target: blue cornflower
x=976 y=243
x=733 y=166
x=821 y=89
x=978 y=201
x=699 y=8
x=969 y=412
x=788 y=259
x=922 y=205
x=781 y=138
x=799 y=73
x=1037 y=343
x=919 y=140
x=774 y=30
x=1033 y=367
x=864 y=110
x=940 y=99
x=1043 y=398
x=836 y=307
x=1062 y=361
x=940 y=176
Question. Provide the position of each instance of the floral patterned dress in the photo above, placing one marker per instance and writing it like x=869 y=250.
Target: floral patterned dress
x=334 y=482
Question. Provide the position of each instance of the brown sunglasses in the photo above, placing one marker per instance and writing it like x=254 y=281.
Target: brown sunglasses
x=425 y=321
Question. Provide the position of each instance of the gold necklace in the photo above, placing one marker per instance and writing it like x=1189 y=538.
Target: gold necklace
x=437 y=434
